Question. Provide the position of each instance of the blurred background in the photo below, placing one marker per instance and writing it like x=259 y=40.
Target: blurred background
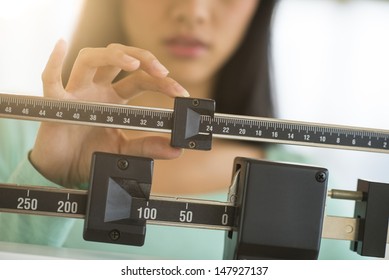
x=28 y=33
x=330 y=63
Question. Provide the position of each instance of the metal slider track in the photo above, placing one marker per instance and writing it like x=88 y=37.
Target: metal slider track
x=243 y=128
x=70 y=203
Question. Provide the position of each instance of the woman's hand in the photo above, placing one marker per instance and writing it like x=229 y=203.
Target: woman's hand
x=62 y=153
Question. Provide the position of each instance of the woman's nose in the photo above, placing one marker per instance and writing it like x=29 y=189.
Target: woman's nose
x=191 y=11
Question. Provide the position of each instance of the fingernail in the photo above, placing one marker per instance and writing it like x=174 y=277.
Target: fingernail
x=181 y=90
x=160 y=68
x=61 y=43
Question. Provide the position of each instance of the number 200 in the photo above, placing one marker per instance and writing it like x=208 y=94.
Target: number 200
x=67 y=207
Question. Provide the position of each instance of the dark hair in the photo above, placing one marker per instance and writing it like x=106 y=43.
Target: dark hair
x=243 y=85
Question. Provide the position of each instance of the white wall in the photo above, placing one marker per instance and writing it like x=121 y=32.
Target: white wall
x=331 y=61
x=28 y=32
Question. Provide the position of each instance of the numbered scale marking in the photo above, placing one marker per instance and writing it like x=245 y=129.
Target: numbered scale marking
x=187 y=212
x=42 y=201
x=220 y=126
x=157 y=210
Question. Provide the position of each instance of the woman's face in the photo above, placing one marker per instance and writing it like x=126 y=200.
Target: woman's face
x=192 y=38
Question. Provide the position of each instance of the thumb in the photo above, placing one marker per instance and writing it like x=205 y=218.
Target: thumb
x=152 y=146
x=51 y=75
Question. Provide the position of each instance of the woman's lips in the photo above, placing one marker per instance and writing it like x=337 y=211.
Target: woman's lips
x=186 y=47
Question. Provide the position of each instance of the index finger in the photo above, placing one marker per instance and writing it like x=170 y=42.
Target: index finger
x=51 y=75
x=148 y=62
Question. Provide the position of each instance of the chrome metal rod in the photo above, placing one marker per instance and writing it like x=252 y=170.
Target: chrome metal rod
x=348 y=195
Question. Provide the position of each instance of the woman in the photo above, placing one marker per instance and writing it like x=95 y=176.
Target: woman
x=212 y=49
x=215 y=50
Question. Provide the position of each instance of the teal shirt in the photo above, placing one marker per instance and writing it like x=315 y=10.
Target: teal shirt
x=162 y=242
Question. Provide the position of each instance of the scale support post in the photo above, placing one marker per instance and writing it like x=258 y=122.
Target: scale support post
x=373 y=214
